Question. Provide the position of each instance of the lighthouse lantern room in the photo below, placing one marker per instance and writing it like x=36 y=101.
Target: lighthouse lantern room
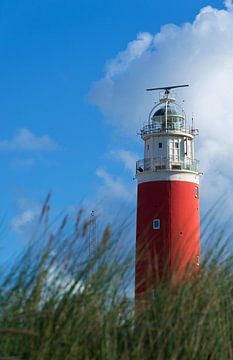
x=168 y=220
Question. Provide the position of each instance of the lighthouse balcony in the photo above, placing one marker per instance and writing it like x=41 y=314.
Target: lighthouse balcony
x=171 y=128
x=171 y=164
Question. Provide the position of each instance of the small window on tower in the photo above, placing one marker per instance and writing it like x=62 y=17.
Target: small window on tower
x=197 y=192
x=160 y=145
x=148 y=147
x=156 y=224
x=176 y=145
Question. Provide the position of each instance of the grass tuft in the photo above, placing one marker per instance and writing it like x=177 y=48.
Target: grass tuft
x=56 y=302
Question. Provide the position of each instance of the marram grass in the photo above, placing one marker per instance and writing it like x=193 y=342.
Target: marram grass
x=57 y=303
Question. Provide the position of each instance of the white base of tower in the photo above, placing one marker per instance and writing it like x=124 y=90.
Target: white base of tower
x=188 y=176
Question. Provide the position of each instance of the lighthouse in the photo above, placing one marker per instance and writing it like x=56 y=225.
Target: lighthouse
x=168 y=213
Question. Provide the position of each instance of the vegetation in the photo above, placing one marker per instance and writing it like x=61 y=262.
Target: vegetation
x=58 y=303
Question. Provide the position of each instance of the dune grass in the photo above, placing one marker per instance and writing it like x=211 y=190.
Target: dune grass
x=58 y=303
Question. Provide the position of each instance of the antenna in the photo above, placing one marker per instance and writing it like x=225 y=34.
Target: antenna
x=194 y=131
x=167 y=88
x=92 y=235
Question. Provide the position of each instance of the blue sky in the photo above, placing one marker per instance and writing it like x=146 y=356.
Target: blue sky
x=55 y=135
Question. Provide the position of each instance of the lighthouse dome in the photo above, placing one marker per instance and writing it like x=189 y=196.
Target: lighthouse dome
x=172 y=110
x=168 y=116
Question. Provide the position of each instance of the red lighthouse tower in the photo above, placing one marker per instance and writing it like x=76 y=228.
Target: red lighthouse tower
x=168 y=218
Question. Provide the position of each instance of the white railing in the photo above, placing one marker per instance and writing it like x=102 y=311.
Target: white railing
x=155 y=129
x=168 y=163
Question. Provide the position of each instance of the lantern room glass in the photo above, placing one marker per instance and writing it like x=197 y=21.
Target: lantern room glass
x=168 y=117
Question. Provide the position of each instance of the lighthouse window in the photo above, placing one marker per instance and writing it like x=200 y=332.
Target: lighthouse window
x=148 y=147
x=156 y=224
x=160 y=145
x=176 y=145
x=197 y=192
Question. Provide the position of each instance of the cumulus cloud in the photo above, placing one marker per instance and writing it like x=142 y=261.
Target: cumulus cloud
x=199 y=53
x=113 y=186
x=23 y=219
x=229 y=5
x=134 y=51
x=27 y=214
x=25 y=140
x=127 y=157
x=61 y=281
x=114 y=199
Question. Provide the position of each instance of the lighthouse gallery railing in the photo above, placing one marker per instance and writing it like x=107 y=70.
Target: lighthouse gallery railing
x=168 y=163
x=155 y=129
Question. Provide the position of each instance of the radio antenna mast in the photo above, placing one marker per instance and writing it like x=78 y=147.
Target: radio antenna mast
x=192 y=122
x=167 y=89
x=92 y=235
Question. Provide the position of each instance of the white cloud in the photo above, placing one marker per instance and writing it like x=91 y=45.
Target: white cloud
x=114 y=187
x=25 y=140
x=28 y=212
x=127 y=157
x=23 y=219
x=229 y=5
x=114 y=199
x=198 y=53
x=124 y=59
x=62 y=281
